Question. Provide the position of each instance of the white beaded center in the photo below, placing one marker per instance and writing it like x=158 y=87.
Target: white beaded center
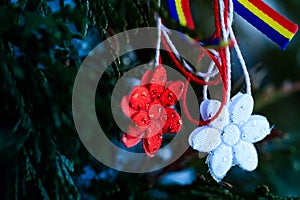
x=231 y=135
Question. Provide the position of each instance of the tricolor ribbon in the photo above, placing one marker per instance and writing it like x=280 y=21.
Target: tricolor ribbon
x=275 y=26
x=180 y=12
x=268 y=21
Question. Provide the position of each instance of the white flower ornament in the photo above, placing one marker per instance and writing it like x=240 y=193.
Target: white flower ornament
x=229 y=138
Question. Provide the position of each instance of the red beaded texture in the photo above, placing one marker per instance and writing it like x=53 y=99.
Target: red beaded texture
x=148 y=107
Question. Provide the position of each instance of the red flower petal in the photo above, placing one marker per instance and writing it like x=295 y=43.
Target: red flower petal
x=173 y=123
x=127 y=110
x=156 y=90
x=153 y=128
x=152 y=102
x=133 y=135
x=155 y=111
x=152 y=144
x=159 y=75
x=136 y=131
x=141 y=118
x=139 y=98
x=129 y=140
x=146 y=77
x=172 y=93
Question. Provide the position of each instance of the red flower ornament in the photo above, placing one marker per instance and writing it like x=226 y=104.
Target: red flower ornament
x=148 y=107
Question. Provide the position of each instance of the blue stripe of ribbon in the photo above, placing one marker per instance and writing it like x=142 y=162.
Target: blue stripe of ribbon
x=173 y=11
x=260 y=25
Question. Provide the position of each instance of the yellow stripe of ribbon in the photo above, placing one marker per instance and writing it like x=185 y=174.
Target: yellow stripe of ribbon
x=275 y=25
x=180 y=13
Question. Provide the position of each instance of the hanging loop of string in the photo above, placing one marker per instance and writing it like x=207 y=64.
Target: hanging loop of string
x=221 y=65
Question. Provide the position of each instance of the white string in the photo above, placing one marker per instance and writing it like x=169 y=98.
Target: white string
x=242 y=62
x=205 y=87
x=238 y=51
x=187 y=66
x=157 y=53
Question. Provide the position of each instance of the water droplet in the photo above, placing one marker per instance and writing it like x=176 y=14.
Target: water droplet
x=180 y=122
x=254 y=123
x=170 y=128
x=242 y=108
x=225 y=159
x=173 y=115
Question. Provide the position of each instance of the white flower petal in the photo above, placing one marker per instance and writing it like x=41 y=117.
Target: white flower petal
x=209 y=108
x=205 y=139
x=256 y=129
x=245 y=155
x=240 y=108
x=220 y=161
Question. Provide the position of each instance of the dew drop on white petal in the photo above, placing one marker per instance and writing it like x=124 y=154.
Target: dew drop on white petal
x=244 y=148
x=244 y=136
x=242 y=108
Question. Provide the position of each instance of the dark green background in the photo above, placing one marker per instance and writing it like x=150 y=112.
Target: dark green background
x=43 y=43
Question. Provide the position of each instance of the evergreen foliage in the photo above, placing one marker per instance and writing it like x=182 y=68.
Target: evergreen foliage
x=43 y=43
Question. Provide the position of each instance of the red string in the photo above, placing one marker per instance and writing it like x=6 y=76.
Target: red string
x=226 y=4
x=189 y=74
x=187 y=113
x=185 y=5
